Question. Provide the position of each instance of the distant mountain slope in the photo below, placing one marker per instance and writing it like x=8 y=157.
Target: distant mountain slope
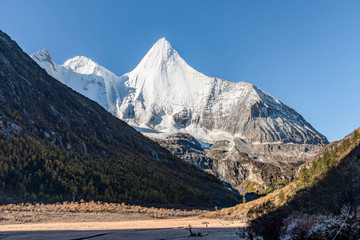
x=58 y=145
x=163 y=97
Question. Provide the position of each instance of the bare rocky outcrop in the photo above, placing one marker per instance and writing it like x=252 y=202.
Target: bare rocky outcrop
x=285 y=154
x=234 y=162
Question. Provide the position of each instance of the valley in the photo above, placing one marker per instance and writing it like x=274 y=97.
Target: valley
x=163 y=151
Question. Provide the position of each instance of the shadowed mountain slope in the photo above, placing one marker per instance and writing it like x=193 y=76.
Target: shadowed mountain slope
x=324 y=187
x=56 y=144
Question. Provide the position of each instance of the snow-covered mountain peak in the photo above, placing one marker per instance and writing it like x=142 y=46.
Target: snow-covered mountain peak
x=161 y=58
x=81 y=64
x=161 y=85
x=159 y=54
x=42 y=57
x=84 y=65
x=162 y=48
x=83 y=75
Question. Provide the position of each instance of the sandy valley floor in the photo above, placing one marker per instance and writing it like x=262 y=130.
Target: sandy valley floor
x=41 y=224
x=132 y=229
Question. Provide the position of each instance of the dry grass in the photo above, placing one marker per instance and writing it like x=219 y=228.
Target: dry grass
x=86 y=211
x=99 y=207
x=248 y=211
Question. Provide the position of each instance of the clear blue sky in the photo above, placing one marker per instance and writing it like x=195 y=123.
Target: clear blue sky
x=305 y=53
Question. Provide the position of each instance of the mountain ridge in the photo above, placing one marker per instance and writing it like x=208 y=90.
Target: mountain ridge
x=184 y=91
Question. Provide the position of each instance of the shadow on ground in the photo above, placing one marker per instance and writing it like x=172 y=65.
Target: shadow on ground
x=148 y=234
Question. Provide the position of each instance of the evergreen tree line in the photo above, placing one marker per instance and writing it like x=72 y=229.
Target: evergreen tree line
x=43 y=172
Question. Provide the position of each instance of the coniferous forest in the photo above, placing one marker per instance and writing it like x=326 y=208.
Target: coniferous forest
x=45 y=173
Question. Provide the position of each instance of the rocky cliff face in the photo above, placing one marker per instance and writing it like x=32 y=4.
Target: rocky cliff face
x=285 y=154
x=213 y=123
x=234 y=162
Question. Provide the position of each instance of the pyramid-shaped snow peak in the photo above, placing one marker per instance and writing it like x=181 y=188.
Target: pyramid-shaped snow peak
x=159 y=54
x=160 y=51
x=164 y=78
x=162 y=58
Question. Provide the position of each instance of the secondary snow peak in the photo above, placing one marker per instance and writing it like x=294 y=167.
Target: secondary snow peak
x=81 y=64
x=42 y=55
